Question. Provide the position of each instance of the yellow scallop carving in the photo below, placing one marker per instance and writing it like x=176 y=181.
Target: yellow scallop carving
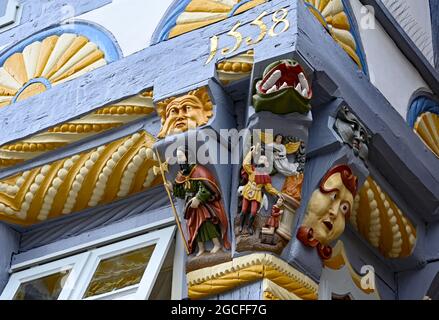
x=377 y=218
x=427 y=128
x=55 y=59
x=332 y=15
x=92 y=178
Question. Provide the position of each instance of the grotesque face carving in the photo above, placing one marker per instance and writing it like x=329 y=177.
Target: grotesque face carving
x=283 y=89
x=327 y=212
x=184 y=113
x=328 y=209
x=352 y=132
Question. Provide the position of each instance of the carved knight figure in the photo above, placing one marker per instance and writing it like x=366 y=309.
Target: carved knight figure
x=328 y=209
x=352 y=132
x=258 y=179
x=204 y=212
x=186 y=112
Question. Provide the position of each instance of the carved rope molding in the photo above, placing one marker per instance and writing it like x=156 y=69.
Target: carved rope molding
x=98 y=176
x=401 y=12
x=274 y=292
x=104 y=119
x=244 y=270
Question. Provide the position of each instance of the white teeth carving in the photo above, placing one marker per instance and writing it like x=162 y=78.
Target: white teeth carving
x=273 y=89
x=303 y=81
x=272 y=80
x=299 y=88
x=305 y=93
x=285 y=85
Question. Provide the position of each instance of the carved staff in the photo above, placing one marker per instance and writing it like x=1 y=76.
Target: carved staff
x=162 y=168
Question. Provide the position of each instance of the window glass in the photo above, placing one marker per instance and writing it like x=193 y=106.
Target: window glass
x=3 y=5
x=119 y=272
x=45 y=288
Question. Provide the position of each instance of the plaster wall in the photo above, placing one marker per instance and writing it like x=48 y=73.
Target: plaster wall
x=390 y=71
x=132 y=22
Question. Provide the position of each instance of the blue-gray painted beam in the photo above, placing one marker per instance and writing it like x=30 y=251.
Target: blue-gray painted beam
x=434 y=13
x=138 y=72
x=39 y=15
x=414 y=284
x=359 y=255
x=395 y=150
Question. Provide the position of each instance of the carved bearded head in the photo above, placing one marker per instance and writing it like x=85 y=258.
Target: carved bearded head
x=186 y=112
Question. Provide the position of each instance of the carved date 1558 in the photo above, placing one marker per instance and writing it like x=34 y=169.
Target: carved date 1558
x=279 y=18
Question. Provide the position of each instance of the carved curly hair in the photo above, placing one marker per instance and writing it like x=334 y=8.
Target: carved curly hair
x=347 y=176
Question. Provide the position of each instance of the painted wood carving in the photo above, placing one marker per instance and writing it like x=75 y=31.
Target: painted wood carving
x=328 y=209
x=43 y=64
x=284 y=88
x=259 y=226
x=203 y=211
x=186 y=112
x=353 y=132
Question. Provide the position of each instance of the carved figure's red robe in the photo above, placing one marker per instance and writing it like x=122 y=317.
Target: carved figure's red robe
x=212 y=209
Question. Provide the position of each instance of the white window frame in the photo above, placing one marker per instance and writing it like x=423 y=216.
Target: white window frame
x=83 y=265
x=141 y=291
x=11 y=16
x=75 y=264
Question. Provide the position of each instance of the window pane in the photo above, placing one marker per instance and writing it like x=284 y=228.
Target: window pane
x=119 y=272
x=47 y=288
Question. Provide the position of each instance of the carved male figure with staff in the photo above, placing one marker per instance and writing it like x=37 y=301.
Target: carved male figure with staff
x=204 y=212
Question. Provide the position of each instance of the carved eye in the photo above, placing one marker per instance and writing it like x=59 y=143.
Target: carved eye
x=345 y=208
x=333 y=196
x=294 y=63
